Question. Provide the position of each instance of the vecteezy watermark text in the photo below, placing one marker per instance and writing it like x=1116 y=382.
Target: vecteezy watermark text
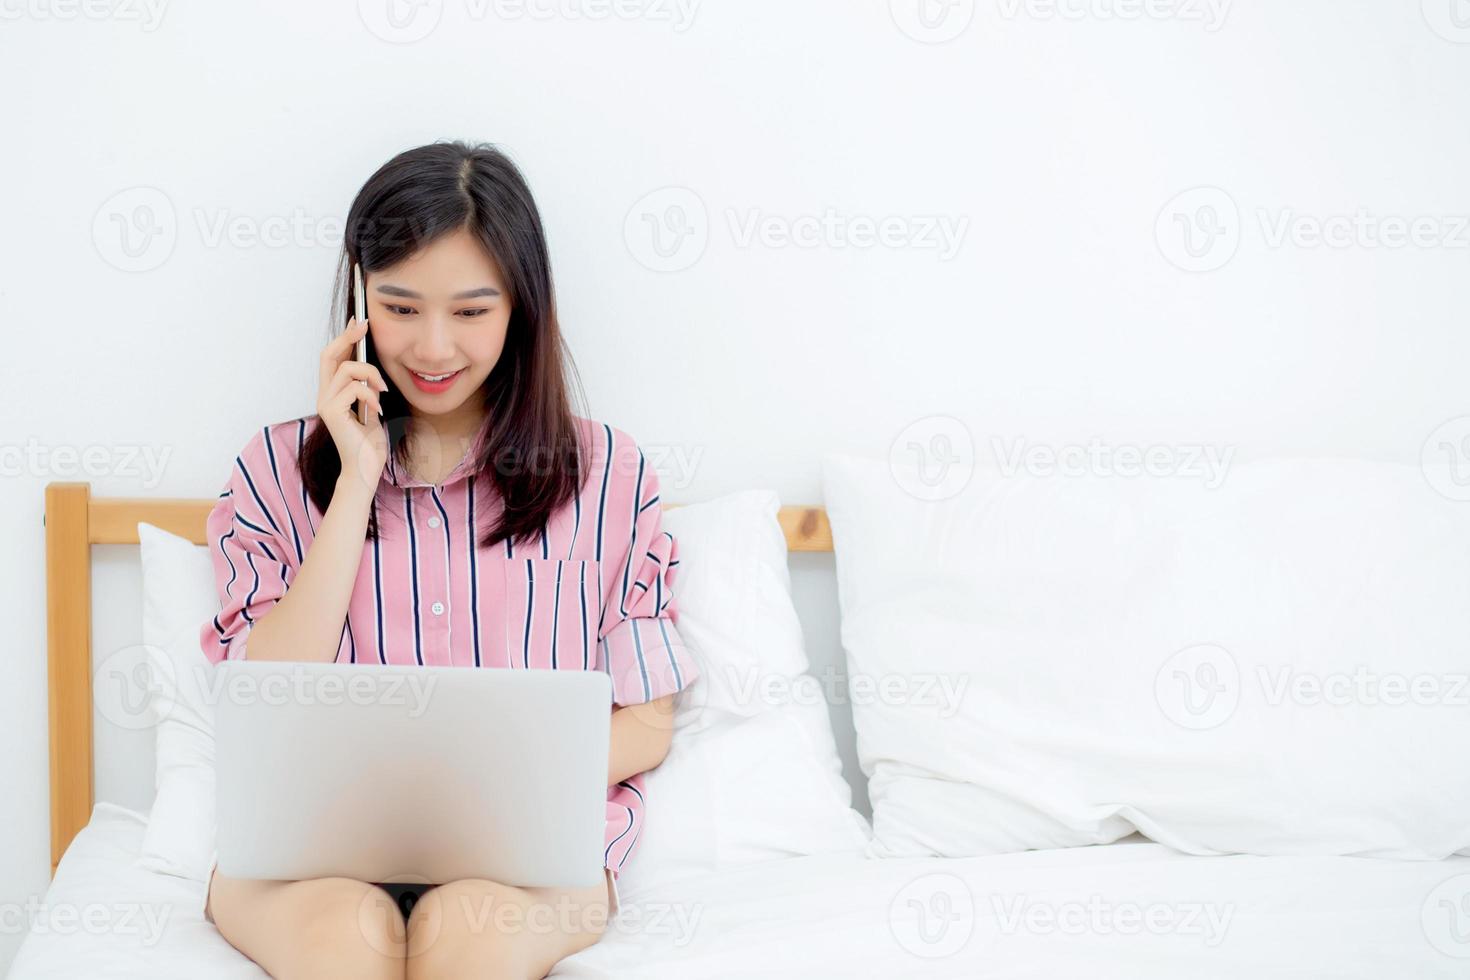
x=1210 y=13
x=1097 y=916
x=668 y=230
x=33 y=458
x=940 y=692
x=35 y=915
x=942 y=234
x=408 y=21
x=1201 y=229
x=147 y=13
x=1201 y=686
x=1205 y=462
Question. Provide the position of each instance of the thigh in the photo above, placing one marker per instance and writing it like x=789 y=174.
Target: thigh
x=562 y=921
x=476 y=926
x=315 y=927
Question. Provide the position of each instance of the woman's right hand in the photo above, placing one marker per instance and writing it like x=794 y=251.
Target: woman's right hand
x=362 y=448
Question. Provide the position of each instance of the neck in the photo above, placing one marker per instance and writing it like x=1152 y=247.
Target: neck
x=438 y=442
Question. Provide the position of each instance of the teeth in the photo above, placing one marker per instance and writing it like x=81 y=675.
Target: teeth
x=436 y=377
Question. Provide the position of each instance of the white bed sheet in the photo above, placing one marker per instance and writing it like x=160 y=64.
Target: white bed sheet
x=1042 y=914
x=143 y=924
x=1031 y=916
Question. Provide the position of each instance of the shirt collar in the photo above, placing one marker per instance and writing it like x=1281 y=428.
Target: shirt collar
x=397 y=476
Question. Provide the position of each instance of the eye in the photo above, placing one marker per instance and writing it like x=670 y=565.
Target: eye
x=471 y=314
x=398 y=310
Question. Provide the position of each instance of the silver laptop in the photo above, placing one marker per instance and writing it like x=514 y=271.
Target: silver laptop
x=408 y=773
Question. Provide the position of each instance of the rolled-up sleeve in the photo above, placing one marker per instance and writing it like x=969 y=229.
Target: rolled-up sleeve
x=639 y=640
x=250 y=554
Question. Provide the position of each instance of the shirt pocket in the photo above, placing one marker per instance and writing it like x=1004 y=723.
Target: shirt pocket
x=552 y=611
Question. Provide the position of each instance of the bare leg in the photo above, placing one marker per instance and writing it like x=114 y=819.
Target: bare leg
x=477 y=927
x=317 y=928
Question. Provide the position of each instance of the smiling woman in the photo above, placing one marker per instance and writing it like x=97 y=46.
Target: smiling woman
x=479 y=523
x=458 y=283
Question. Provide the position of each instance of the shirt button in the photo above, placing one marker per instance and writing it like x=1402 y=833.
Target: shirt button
x=437 y=608
x=433 y=522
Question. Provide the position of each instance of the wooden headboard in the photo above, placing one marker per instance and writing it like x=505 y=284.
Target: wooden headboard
x=75 y=520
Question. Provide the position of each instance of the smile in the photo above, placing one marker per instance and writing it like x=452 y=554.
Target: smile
x=434 y=382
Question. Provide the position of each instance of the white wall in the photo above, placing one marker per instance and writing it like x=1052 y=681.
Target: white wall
x=1055 y=137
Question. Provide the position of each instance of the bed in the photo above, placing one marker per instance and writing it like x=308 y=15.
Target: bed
x=844 y=915
x=1131 y=909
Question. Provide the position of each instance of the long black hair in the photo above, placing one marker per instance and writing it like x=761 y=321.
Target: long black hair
x=531 y=453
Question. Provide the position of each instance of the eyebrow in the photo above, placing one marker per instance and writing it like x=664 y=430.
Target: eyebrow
x=410 y=294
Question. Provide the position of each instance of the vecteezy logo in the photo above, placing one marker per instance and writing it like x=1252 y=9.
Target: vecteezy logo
x=1199 y=230
x=667 y=230
x=932 y=21
x=135 y=230
x=382 y=924
x=134 y=687
x=400 y=21
x=934 y=458
x=1198 y=687
x=1450 y=19
x=1445 y=917
x=1445 y=459
x=933 y=916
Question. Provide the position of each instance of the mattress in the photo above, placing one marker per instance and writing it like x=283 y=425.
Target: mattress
x=1132 y=909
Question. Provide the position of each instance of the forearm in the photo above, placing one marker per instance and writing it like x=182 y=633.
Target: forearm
x=306 y=623
x=641 y=735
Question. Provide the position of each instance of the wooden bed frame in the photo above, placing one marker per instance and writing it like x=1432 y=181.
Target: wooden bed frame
x=75 y=520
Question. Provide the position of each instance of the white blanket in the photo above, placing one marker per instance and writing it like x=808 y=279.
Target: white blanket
x=1128 y=910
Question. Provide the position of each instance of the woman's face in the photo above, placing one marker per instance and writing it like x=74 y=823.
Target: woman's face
x=442 y=311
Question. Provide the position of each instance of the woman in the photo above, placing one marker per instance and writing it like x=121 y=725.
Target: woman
x=472 y=520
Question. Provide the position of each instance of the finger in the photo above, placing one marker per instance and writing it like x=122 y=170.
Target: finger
x=346 y=400
x=340 y=346
x=362 y=372
x=353 y=393
x=349 y=371
x=333 y=354
x=355 y=387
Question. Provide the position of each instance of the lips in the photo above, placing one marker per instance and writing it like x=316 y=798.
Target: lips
x=433 y=387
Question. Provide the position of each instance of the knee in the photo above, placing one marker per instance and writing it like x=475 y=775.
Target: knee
x=353 y=929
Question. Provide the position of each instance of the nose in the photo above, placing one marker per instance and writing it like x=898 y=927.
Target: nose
x=435 y=343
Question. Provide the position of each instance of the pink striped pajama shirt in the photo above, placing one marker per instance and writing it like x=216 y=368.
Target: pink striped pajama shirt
x=593 y=591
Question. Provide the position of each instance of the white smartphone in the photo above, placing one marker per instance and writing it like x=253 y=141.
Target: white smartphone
x=360 y=312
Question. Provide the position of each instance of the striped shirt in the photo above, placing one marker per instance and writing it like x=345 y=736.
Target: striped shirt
x=592 y=591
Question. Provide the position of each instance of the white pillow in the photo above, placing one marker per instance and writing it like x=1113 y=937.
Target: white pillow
x=750 y=776
x=1226 y=670
x=179 y=594
x=753 y=772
